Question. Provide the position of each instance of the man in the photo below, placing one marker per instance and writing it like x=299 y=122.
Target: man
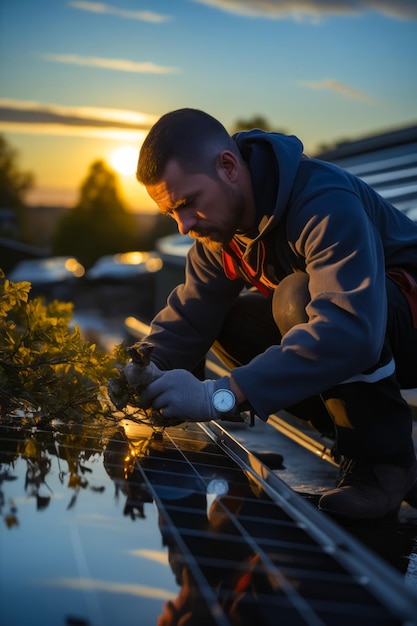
x=329 y=322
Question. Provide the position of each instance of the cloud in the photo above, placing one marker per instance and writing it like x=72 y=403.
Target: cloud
x=52 y=119
x=122 y=65
x=314 y=10
x=101 y=7
x=46 y=113
x=341 y=88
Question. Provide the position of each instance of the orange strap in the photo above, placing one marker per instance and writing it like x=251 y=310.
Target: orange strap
x=245 y=580
x=408 y=286
x=229 y=265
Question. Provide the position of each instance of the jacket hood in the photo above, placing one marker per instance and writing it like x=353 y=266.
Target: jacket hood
x=256 y=147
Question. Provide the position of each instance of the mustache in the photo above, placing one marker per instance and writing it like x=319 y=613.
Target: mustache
x=199 y=234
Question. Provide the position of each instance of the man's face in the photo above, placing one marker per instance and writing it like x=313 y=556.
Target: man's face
x=207 y=208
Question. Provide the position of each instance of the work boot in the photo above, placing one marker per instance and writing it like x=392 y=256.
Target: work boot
x=369 y=490
x=411 y=495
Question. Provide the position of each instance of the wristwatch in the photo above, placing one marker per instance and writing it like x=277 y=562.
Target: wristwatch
x=224 y=402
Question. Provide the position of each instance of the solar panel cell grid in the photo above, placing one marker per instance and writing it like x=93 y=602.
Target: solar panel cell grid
x=238 y=548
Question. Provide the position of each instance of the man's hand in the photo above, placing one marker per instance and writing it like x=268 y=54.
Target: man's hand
x=177 y=393
x=139 y=377
x=133 y=380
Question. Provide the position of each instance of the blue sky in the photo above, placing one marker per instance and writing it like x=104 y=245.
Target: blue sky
x=78 y=79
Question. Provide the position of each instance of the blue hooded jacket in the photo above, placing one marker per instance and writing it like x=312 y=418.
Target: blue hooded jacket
x=312 y=217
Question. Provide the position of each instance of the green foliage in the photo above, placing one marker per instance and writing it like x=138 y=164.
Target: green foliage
x=99 y=224
x=47 y=370
x=13 y=186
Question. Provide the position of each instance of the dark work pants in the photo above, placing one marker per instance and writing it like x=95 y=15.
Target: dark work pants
x=368 y=420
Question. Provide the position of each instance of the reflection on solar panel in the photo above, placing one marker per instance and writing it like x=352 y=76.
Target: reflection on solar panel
x=107 y=526
x=248 y=550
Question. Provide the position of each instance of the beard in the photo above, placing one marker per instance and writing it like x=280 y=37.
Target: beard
x=211 y=244
x=218 y=237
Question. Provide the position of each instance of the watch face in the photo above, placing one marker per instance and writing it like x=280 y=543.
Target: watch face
x=223 y=400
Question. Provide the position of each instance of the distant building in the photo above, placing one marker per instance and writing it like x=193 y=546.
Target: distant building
x=12 y=251
x=9 y=223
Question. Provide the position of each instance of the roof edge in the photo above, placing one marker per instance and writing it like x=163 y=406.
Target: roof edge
x=371 y=143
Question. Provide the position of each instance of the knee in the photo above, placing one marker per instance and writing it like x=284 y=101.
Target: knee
x=290 y=300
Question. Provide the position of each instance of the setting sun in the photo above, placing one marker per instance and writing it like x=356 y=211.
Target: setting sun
x=125 y=159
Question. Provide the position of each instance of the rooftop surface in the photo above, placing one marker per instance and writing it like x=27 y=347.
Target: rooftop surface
x=106 y=523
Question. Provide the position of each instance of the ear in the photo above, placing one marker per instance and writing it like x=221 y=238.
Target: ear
x=228 y=165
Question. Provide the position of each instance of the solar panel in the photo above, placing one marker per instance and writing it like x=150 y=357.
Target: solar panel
x=106 y=525
x=262 y=550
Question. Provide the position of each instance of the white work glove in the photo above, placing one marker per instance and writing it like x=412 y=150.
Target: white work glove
x=133 y=379
x=178 y=394
x=139 y=377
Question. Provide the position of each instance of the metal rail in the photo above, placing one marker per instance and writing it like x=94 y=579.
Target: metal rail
x=383 y=581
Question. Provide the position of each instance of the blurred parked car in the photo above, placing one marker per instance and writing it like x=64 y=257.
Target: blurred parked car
x=52 y=277
x=174 y=246
x=125 y=265
x=173 y=250
x=124 y=283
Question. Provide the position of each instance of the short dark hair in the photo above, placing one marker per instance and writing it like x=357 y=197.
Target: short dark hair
x=190 y=136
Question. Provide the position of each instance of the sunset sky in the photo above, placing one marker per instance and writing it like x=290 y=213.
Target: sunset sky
x=78 y=80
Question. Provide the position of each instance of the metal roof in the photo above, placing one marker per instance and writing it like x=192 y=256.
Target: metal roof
x=387 y=162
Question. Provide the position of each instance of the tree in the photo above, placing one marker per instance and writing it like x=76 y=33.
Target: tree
x=14 y=184
x=163 y=227
x=256 y=121
x=99 y=224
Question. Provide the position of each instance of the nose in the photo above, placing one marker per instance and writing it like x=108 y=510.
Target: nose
x=186 y=221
